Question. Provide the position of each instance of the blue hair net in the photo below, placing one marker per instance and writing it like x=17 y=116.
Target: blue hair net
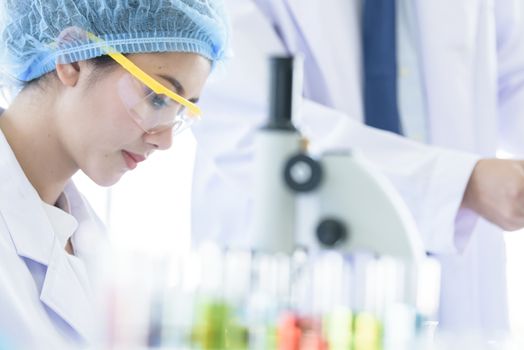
x=36 y=34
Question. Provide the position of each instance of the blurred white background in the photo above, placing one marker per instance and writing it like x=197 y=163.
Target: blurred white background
x=148 y=210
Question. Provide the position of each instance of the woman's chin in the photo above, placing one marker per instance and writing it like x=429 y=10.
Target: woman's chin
x=105 y=180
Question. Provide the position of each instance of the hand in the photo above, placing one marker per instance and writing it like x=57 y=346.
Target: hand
x=496 y=192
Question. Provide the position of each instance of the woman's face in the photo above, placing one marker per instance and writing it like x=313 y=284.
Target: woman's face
x=97 y=130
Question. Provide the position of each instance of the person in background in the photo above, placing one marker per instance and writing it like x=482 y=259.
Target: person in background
x=102 y=85
x=452 y=74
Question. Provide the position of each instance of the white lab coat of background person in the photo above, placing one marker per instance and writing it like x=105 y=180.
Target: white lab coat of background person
x=47 y=298
x=471 y=57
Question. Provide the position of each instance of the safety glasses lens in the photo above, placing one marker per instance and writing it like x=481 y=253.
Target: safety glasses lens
x=152 y=112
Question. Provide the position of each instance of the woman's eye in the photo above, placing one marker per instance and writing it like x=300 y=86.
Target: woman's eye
x=157 y=101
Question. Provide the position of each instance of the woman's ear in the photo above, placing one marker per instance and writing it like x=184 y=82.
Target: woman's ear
x=69 y=73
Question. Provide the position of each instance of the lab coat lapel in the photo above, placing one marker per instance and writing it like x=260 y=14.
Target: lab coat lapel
x=319 y=33
x=63 y=291
x=448 y=56
x=322 y=25
x=67 y=292
x=22 y=211
x=22 y=227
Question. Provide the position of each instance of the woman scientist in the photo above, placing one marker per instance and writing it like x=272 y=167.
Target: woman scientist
x=84 y=105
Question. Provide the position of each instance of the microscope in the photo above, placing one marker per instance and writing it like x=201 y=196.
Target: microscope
x=338 y=202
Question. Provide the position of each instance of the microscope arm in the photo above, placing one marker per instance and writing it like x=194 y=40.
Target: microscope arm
x=364 y=204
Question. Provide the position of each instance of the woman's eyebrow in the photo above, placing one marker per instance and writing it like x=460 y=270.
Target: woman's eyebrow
x=179 y=88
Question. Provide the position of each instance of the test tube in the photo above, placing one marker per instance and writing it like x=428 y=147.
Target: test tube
x=270 y=299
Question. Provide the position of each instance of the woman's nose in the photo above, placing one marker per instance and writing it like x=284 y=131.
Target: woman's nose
x=161 y=140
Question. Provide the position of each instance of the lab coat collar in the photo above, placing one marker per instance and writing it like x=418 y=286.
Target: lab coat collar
x=90 y=240
x=63 y=223
x=65 y=289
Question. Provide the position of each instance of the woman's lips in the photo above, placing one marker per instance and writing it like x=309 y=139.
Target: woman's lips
x=132 y=159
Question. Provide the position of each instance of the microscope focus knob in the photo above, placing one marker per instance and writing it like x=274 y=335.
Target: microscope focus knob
x=302 y=173
x=330 y=232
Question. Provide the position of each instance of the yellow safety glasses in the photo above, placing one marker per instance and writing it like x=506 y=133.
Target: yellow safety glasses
x=152 y=106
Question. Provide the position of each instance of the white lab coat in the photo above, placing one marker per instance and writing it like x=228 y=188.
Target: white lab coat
x=46 y=295
x=472 y=64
